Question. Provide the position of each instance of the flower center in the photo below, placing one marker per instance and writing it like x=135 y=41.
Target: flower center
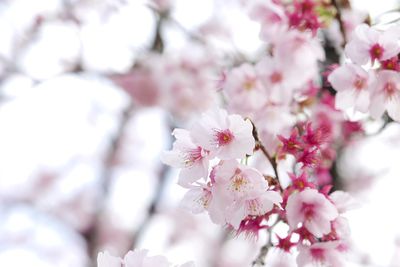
x=376 y=51
x=253 y=207
x=193 y=155
x=249 y=84
x=360 y=83
x=276 y=77
x=224 y=137
x=318 y=254
x=238 y=182
x=308 y=210
x=390 y=89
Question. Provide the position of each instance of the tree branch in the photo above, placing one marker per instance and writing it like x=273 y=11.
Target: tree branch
x=260 y=146
x=340 y=20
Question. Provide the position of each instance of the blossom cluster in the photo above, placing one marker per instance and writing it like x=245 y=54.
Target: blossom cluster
x=173 y=83
x=231 y=191
x=279 y=111
x=370 y=81
x=268 y=90
x=238 y=196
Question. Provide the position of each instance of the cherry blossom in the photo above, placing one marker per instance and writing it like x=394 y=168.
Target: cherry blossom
x=240 y=191
x=225 y=136
x=386 y=95
x=353 y=86
x=299 y=51
x=271 y=16
x=321 y=254
x=244 y=90
x=192 y=158
x=278 y=80
x=369 y=44
x=313 y=210
x=197 y=199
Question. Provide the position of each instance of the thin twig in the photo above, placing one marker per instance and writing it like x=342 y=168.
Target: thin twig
x=260 y=260
x=260 y=146
x=387 y=121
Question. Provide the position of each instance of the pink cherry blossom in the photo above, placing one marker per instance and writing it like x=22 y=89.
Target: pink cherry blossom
x=291 y=145
x=240 y=191
x=343 y=201
x=313 y=210
x=197 y=199
x=299 y=51
x=278 y=80
x=226 y=136
x=353 y=86
x=244 y=90
x=369 y=44
x=271 y=121
x=271 y=16
x=386 y=95
x=321 y=254
x=192 y=158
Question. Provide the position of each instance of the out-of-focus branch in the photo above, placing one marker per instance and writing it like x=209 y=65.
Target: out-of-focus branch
x=260 y=260
x=387 y=121
x=157 y=46
x=340 y=21
x=152 y=210
x=111 y=154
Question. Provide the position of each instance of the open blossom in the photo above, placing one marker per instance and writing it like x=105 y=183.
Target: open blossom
x=313 y=210
x=369 y=44
x=225 y=136
x=137 y=258
x=299 y=51
x=278 y=80
x=192 y=158
x=386 y=95
x=271 y=16
x=197 y=199
x=240 y=191
x=353 y=86
x=321 y=254
x=343 y=201
x=244 y=90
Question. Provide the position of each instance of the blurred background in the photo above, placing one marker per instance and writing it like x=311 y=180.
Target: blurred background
x=82 y=129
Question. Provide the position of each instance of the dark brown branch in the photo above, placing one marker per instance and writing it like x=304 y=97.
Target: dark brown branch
x=261 y=147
